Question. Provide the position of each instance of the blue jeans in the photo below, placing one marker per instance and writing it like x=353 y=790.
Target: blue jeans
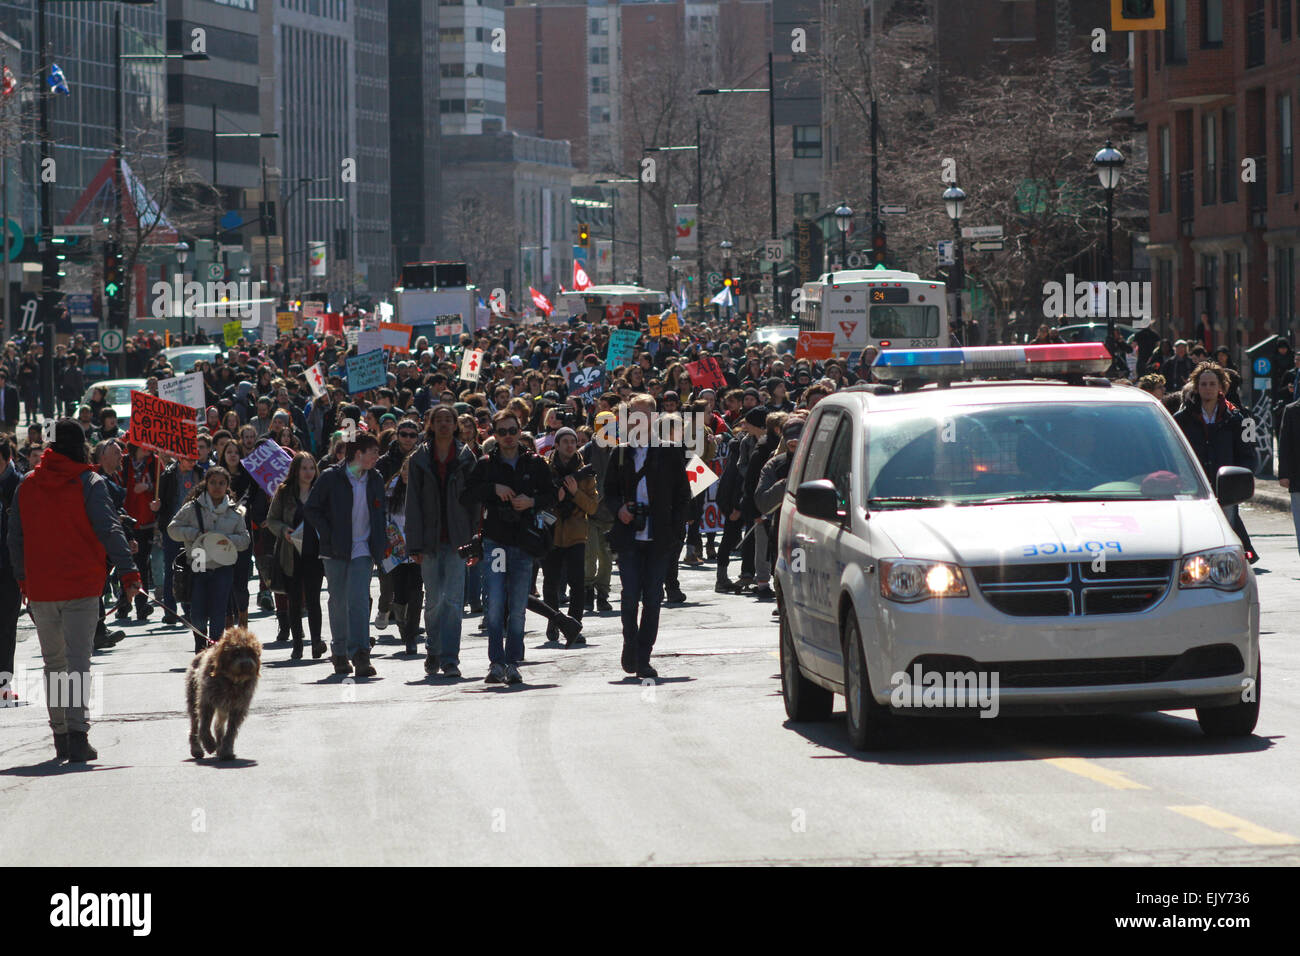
x=443 y=571
x=473 y=584
x=170 y=549
x=349 y=605
x=507 y=577
x=239 y=590
x=641 y=572
x=210 y=599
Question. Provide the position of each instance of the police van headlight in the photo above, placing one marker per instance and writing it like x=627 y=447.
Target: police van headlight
x=905 y=580
x=1222 y=568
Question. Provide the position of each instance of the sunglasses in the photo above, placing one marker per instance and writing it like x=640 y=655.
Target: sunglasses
x=507 y=431
x=406 y=434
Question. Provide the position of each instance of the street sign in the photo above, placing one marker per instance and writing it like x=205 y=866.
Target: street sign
x=773 y=250
x=894 y=209
x=231 y=247
x=946 y=257
x=981 y=232
x=1263 y=366
x=111 y=341
x=74 y=230
x=987 y=245
x=216 y=271
x=15 y=239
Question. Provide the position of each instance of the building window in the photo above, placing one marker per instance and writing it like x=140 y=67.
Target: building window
x=1284 y=21
x=1229 y=155
x=600 y=26
x=1211 y=24
x=600 y=114
x=1232 y=294
x=807 y=142
x=1176 y=31
x=1285 y=176
x=1285 y=281
x=451 y=106
x=451 y=35
x=1210 y=286
x=1163 y=147
x=1209 y=148
x=806 y=205
x=600 y=84
x=1015 y=22
x=1255 y=31
x=1165 y=277
x=600 y=54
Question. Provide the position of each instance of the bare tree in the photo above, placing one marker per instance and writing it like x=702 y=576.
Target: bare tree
x=480 y=231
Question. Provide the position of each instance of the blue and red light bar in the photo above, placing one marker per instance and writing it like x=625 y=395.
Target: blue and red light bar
x=992 y=361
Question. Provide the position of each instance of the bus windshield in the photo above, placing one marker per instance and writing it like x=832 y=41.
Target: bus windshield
x=904 y=321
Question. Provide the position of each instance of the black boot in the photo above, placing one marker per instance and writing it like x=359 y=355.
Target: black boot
x=602 y=601
x=318 y=648
x=589 y=599
x=61 y=746
x=361 y=663
x=282 y=618
x=79 y=749
x=341 y=665
x=295 y=628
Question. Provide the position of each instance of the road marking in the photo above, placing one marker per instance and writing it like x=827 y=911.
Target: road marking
x=1243 y=829
x=1095 y=772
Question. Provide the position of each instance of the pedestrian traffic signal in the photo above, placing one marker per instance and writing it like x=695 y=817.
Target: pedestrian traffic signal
x=584 y=235
x=112 y=274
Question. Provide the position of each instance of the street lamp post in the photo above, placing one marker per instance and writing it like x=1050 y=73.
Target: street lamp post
x=843 y=219
x=1109 y=161
x=699 y=191
x=953 y=199
x=182 y=251
x=725 y=246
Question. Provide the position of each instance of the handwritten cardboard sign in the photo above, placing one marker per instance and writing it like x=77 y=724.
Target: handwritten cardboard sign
x=366 y=371
x=622 y=346
x=268 y=464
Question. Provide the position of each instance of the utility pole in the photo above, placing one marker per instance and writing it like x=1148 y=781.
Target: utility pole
x=699 y=213
x=875 y=185
x=771 y=147
x=49 y=264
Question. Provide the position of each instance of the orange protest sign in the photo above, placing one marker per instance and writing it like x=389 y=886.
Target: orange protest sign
x=815 y=346
x=163 y=426
x=396 y=336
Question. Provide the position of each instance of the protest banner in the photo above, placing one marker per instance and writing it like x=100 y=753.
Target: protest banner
x=368 y=340
x=185 y=390
x=471 y=365
x=285 y=321
x=670 y=324
x=233 y=332
x=396 y=336
x=163 y=426
x=268 y=463
x=366 y=371
x=700 y=475
x=316 y=379
x=587 y=382
x=622 y=346
x=815 y=346
x=706 y=373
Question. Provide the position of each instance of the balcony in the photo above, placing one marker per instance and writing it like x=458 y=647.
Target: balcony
x=1186 y=205
x=1255 y=33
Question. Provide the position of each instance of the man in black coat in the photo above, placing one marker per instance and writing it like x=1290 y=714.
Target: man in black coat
x=10 y=596
x=648 y=493
x=1288 y=458
x=8 y=404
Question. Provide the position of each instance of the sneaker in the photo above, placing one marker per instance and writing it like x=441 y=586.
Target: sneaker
x=381 y=619
x=629 y=658
x=512 y=675
x=744 y=582
x=576 y=641
x=496 y=675
x=764 y=592
x=265 y=601
x=647 y=673
x=692 y=559
x=725 y=586
x=451 y=670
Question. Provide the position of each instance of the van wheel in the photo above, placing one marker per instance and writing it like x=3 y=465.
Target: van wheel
x=867 y=720
x=1235 y=720
x=804 y=700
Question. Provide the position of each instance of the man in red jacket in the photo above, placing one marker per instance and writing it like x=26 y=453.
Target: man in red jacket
x=63 y=531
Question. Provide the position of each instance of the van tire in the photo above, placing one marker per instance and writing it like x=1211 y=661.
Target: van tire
x=866 y=720
x=1235 y=720
x=804 y=700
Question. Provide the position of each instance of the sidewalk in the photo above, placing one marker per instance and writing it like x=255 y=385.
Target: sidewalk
x=1269 y=494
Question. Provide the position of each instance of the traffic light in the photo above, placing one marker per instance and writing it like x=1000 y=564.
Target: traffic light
x=1137 y=14
x=584 y=235
x=1139 y=9
x=878 y=250
x=728 y=281
x=114 y=287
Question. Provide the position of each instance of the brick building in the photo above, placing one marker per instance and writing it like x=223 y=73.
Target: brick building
x=1216 y=88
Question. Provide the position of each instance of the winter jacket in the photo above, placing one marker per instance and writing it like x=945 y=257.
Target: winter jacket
x=225 y=517
x=425 y=504
x=1220 y=442
x=530 y=476
x=64 y=510
x=1288 y=445
x=572 y=529
x=138 y=503
x=170 y=493
x=769 y=491
x=287 y=511
x=669 y=491
x=764 y=450
x=596 y=454
x=8 y=486
x=329 y=510
x=731 y=486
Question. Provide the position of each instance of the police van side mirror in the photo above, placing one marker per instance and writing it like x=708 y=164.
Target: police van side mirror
x=1233 y=485
x=819 y=499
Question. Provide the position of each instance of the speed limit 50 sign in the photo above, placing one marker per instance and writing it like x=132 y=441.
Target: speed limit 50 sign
x=773 y=250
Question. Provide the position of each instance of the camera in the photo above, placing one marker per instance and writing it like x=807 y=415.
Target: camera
x=565 y=507
x=473 y=550
x=129 y=524
x=639 y=513
x=571 y=419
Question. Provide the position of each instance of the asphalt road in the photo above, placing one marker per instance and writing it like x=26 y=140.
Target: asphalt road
x=581 y=765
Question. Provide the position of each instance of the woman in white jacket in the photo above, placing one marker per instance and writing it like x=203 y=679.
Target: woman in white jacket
x=211 y=528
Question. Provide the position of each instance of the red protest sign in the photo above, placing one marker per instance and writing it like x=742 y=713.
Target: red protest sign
x=815 y=346
x=706 y=373
x=618 y=314
x=163 y=426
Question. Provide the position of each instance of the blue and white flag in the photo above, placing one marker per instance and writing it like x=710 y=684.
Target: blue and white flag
x=723 y=298
x=58 y=82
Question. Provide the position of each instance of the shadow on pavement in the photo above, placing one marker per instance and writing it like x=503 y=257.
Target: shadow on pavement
x=952 y=740
x=210 y=761
x=52 y=768
x=633 y=681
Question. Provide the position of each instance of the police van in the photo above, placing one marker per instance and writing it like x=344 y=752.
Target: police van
x=993 y=530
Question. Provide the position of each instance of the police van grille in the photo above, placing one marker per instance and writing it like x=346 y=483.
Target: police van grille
x=1197 y=663
x=1074 y=589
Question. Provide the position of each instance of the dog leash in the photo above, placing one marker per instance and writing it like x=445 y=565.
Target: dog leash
x=174 y=613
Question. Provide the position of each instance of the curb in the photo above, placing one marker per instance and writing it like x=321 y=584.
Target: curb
x=1278 y=500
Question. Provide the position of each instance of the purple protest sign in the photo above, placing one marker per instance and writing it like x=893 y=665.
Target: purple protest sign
x=268 y=464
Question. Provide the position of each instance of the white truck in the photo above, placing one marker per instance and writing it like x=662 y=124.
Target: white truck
x=437 y=314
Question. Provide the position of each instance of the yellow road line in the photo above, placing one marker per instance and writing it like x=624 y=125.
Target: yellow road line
x=1242 y=829
x=1086 y=768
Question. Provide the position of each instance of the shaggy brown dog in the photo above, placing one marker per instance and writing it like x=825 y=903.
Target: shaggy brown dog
x=220 y=683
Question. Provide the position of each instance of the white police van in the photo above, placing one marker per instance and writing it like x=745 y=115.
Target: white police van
x=951 y=542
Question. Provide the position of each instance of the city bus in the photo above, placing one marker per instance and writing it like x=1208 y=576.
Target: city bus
x=611 y=304
x=882 y=307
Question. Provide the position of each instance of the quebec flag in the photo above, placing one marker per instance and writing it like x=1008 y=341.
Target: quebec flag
x=58 y=82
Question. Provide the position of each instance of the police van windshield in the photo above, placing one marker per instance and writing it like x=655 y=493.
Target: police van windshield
x=996 y=454
x=904 y=321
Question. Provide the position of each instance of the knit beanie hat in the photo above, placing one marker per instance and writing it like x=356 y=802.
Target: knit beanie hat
x=70 y=439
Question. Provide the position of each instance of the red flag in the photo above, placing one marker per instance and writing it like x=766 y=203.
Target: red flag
x=580 y=280
x=540 y=300
x=8 y=83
